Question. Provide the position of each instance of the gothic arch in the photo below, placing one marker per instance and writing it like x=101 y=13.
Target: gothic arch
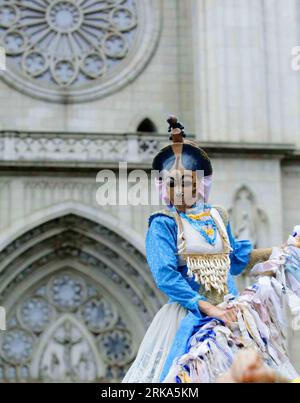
x=74 y=253
x=147 y=126
x=139 y=117
x=61 y=209
x=42 y=353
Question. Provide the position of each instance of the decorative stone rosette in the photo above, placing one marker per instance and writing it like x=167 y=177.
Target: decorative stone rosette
x=65 y=48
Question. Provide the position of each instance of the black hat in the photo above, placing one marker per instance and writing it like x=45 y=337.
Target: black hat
x=182 y=153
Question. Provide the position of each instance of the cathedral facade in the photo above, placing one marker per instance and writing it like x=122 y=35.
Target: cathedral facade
x=87 y=85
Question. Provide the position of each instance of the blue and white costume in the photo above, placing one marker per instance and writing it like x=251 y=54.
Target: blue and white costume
x=193 y=257
x=182 y=311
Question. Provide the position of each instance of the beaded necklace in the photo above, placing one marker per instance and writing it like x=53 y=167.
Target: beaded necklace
x=210 y=270
x=203 y=223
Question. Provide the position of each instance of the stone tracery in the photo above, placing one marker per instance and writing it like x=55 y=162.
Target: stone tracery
x=67 y=41
x=66 y=326
x=66 y=45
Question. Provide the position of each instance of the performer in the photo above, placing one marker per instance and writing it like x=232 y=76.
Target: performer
x=193 y=257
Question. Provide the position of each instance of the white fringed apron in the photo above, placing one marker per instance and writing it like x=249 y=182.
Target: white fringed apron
x=158 y=340
x=156 y=345
x=208 y=264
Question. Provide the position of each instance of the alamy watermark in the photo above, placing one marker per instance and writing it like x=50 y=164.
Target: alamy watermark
x=2 y=59
x=135 y=187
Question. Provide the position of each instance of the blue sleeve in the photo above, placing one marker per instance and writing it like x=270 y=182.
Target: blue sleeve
x=161 y=250
x=240 y=255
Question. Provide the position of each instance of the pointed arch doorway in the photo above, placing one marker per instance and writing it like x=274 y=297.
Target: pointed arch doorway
x=79 y=298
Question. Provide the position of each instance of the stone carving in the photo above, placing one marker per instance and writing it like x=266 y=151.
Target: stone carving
x=66 y=47
x=98 y=315
x=67 y=293
x=84 y=148
x=16 y=346
x=68 y=356
x=75 y=147
x=70 y=222
x=68 y=41
x=66 y=318
x=87 y=344
x=148 y=148
x=248 y=221
x=116 y=346
x=35 y=314
x=89 y=261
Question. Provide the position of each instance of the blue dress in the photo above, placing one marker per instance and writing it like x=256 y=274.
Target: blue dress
x=173 y=281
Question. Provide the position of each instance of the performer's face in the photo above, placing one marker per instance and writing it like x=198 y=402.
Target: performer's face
x=182 y=188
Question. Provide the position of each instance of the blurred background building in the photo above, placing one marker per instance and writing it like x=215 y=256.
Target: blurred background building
x=89 y=83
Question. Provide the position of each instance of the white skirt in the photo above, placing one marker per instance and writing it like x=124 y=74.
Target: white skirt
x=156 y=345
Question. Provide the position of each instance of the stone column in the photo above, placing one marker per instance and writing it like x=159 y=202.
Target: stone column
x=229 y=78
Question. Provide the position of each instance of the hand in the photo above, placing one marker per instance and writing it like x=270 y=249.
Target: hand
x=248 y=367
x=228 y=315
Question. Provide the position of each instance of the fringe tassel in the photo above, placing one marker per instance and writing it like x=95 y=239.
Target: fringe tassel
x=211 y=271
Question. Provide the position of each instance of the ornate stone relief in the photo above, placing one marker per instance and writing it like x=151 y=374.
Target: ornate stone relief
x=84 y=148
x=71 y=339
x=76 y=49
x=248 y=220
x=66 y=327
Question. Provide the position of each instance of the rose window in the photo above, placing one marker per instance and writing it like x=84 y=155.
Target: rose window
x=66 y=330
x=64 y=46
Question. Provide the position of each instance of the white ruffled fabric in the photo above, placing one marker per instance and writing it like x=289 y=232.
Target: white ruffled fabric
x=264 y=312
x=156 y=345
